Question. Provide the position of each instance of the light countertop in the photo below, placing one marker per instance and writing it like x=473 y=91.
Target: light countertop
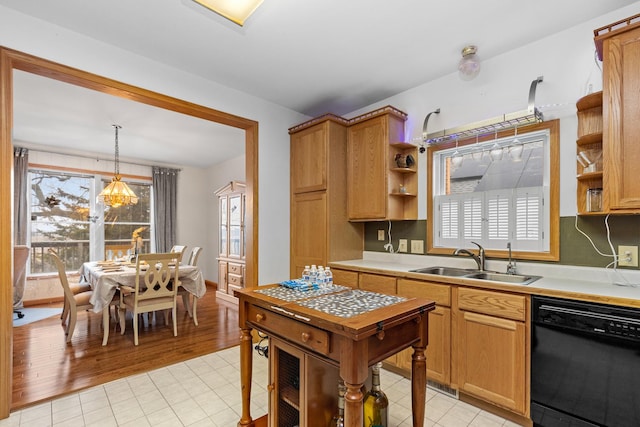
x=621 y=286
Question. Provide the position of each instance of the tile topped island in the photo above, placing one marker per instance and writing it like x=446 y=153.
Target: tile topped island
x=335 y=330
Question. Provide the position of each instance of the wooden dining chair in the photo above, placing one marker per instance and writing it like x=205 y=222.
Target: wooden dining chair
x=76 y=288
x=74 y=302
x=189 y=301
x=181 y=249
x=155 y=289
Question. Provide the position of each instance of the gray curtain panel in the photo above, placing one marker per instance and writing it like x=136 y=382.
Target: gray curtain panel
x=165 y=187
x=20 y=219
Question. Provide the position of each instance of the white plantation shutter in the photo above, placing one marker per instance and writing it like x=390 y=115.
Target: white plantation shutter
x=530 y=224
x=472 y=216
x=449 y=219
x=492 y=219
x=497 y=214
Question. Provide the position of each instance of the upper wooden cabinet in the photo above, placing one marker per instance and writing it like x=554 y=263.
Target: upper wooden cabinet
x=320 y=231
x=380 y=189
x=620 y=52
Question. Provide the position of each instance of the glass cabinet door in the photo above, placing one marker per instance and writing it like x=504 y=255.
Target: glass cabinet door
x=235 y=225
x=223 y=226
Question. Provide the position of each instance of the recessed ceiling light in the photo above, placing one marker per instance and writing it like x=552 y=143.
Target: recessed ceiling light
x=234 y=10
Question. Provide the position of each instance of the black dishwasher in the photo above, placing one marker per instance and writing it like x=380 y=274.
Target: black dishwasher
x=585 y=364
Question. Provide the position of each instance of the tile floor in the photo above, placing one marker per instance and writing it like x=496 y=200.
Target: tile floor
x=206 y=392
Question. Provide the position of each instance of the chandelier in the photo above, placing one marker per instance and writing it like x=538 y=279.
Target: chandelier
x=117 y=193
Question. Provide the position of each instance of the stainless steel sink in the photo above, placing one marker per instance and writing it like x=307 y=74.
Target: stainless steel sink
x=444 y=271
x=481 y=275
x=502 y=277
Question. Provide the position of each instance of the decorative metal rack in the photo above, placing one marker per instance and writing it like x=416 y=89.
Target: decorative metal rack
x=503 y=122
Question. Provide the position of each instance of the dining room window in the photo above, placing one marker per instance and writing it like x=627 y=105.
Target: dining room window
x=65 y=216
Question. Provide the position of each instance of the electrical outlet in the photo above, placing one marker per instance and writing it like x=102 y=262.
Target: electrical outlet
x=402 y=245
x=380 y=234
x=417 y=246
x=628 y=256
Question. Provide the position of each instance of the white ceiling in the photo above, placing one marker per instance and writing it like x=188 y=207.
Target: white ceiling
x=312 y=56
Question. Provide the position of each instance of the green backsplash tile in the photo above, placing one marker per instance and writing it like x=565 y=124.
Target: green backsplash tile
x=575 y=248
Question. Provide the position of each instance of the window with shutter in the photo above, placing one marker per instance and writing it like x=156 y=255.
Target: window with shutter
x=494 y=202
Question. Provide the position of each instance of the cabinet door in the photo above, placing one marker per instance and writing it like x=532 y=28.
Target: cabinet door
x=224 y=231
x=621 y=108
x=439 y=349
x=287 y=384
x=235 y=226
x=366 y=170
x=309 y=159
x=491 y=359
x=308 y=231
x=222 y=276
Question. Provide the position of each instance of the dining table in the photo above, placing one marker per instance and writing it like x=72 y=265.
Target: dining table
x=105 y=278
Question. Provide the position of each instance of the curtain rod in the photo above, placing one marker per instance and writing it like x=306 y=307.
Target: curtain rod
x=85 y=156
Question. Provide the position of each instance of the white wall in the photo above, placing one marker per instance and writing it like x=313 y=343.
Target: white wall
x=36 y=37
x=566 y=60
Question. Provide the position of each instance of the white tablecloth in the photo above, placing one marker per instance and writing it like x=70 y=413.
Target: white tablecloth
x=104 y=285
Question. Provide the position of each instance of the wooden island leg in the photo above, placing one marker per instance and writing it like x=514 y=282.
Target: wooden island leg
x=353 y=405
x=418 y=384
x=246 y=372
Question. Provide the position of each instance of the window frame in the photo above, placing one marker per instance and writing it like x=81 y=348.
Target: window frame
x=552 y=199
x=96 y=210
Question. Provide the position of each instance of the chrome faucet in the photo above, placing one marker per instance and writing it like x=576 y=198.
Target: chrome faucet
x=479 y=259
x=511 y=267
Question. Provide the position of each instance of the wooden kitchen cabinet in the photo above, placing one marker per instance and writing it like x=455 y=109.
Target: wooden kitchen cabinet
x=377 y=283
x=373 y=177
x=304 y=389
x=320 y=231
x=619 y=47
x=345 y=277
x=492 y=357
x=439 y=348
x=231 y=239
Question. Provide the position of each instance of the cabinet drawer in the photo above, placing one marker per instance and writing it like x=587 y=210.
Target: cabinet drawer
x=377 y=283
x=298 y=332
x=235 y=268
x=498 y=304
x=441 y=294
x=234 y=279
x=345 y=278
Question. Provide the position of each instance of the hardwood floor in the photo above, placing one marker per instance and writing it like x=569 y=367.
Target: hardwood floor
x=45 y=366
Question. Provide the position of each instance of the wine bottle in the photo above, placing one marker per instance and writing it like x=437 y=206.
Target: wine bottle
x=338 y=420
x=376 y=404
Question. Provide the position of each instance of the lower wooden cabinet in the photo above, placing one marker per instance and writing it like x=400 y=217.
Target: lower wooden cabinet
x=377 y=283
x=345 y=277
x=230 y=277
x=478 y=339
x=492 y=350
x=439 y=348
x=303 y=388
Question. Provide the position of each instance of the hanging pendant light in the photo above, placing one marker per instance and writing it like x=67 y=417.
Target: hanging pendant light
x=117 y=193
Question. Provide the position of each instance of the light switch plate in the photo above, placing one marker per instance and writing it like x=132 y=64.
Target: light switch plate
x=402 y=245
x=628 y=256
x=417 y=246
x=380 y=234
